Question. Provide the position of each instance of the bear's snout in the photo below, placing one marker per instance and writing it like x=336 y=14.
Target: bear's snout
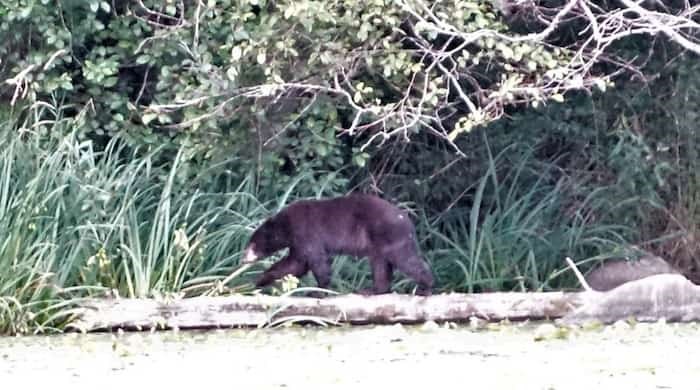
x=250 y=256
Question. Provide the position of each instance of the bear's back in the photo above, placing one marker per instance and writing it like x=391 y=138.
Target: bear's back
x=355 y=203
x=368 y=212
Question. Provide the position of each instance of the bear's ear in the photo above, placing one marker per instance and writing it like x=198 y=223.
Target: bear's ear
x=278 y=221
x=270 y=225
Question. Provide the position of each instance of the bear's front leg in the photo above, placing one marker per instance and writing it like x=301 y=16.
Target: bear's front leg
x=321 y=269
x=289 y=265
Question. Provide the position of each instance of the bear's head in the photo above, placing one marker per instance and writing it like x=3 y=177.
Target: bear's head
x=270 y=237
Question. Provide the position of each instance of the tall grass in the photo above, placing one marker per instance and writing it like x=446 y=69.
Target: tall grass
x=76 y=222
x=517 y=237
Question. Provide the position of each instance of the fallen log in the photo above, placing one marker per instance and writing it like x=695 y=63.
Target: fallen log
x=262 y=310
x=671 y=297
x=661 y=296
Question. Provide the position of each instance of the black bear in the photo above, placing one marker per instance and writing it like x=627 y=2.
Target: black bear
x=356 y=225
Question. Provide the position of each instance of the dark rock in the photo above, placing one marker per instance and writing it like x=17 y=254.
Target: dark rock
x=614 y=273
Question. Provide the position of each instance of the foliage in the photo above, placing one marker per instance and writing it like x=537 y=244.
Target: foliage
x=141 y=141
x=76 y=222
x=271 y=82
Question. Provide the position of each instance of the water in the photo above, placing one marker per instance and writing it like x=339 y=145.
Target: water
x=642 y=356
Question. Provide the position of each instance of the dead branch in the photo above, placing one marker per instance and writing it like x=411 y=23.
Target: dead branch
x=579 y=275
x=670 y=297
x=603 y=27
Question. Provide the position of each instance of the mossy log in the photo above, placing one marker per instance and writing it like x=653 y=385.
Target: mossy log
x=671 y=297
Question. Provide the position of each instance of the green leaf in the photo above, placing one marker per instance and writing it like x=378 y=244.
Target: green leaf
x=143 y=58
x=236 y=53
x=506 y=51
x=289 y=11
x=109 y=82
x=148 y=117
x=600 y=83
x=25 y=12
x=232 y=73
x=241 y=35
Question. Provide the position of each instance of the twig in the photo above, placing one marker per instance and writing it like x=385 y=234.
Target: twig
x=578 y=274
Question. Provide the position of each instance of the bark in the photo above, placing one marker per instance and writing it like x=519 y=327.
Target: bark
x=670 y=297
x=662 y=296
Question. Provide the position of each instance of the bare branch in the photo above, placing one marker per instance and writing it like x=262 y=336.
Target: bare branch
x=448 y=57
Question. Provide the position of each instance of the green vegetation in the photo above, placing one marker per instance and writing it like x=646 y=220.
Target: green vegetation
x=141 y=142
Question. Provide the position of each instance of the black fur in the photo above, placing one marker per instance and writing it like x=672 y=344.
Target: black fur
x=356 y=225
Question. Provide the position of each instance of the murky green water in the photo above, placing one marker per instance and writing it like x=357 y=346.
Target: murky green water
x=617 y=357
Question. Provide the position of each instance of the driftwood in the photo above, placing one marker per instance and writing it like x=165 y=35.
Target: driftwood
x=261 y=310
x=671 y=297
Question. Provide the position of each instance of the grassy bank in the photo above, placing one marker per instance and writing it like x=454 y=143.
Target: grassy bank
x=80 y=222
x=76 y=222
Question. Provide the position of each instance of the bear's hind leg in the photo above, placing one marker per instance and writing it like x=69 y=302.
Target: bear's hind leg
x=289 y=265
